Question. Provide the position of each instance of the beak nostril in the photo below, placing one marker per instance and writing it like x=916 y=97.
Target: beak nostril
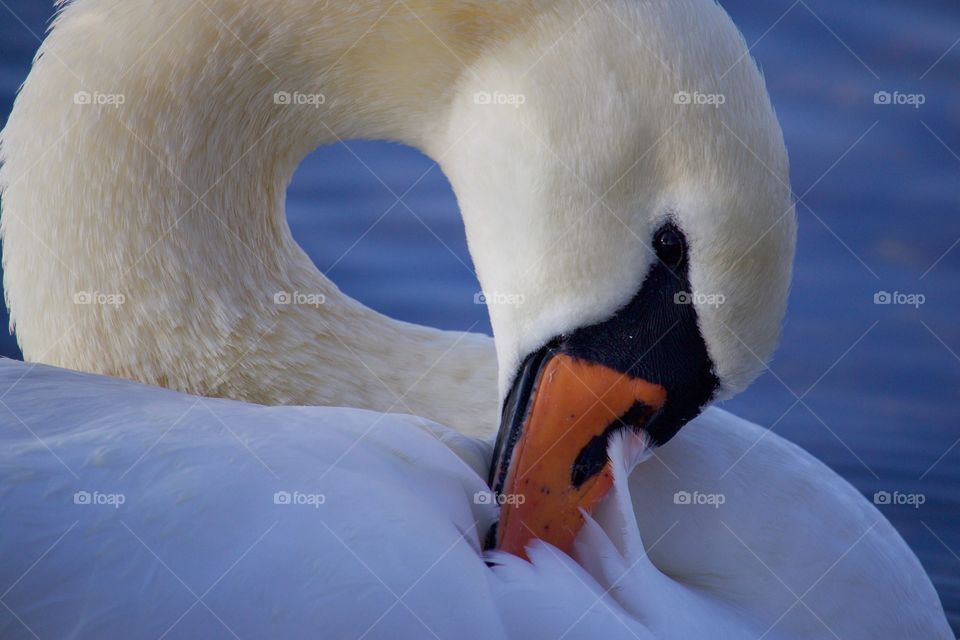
x=593 y=457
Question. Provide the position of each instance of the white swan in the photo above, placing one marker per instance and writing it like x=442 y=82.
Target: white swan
x=152 y=166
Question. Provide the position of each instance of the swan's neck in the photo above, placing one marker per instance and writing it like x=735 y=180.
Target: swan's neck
x=145 y=233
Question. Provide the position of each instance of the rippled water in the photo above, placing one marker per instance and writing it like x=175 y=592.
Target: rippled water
x=879 y=190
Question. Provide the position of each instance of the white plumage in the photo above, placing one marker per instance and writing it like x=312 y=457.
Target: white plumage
x=390 y=548
x=173 y=202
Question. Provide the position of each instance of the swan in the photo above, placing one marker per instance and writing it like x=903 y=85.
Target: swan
x=622 y=180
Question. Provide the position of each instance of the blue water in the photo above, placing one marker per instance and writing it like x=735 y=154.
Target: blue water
x=879 y=383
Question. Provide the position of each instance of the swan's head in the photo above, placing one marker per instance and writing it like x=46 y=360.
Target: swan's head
x=625 y=188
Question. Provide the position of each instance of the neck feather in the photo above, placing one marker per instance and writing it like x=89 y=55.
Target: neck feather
x=144 y=173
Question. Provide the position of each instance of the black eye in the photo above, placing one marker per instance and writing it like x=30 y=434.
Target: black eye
x=670 y=246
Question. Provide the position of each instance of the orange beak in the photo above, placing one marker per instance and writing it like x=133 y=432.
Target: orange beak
x=551 y=455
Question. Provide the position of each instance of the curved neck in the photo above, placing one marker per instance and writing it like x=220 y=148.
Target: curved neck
x=143 y=189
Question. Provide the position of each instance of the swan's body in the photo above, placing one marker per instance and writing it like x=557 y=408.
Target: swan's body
x=399 y=516
x=595 y=203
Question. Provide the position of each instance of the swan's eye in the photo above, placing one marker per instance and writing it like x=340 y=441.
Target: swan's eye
x=670 y=246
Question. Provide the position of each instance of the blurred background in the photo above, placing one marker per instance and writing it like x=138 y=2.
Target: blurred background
x=868 y=93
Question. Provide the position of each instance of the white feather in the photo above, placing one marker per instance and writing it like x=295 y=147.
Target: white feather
x=399 y=520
